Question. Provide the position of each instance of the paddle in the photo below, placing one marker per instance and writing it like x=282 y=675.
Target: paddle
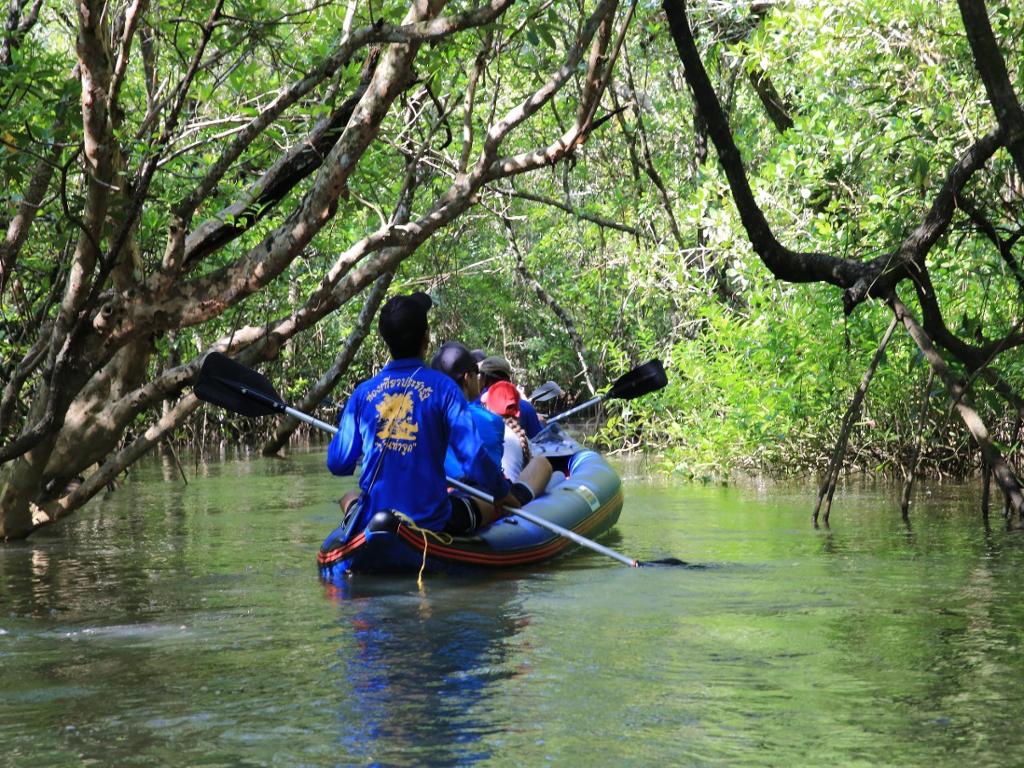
x=549 y=390
x=229 y=384
x=642 y=380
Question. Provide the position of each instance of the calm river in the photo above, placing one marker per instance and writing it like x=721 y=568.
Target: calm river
x=175 y=624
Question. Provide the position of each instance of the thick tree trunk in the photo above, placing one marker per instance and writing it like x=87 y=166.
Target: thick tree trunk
x=21 y=479
x=97 y=418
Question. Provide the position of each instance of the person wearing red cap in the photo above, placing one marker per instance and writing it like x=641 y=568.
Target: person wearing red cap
x=400 y=423
x=517 y=463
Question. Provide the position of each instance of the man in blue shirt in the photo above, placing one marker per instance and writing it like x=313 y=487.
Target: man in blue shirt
x=460 y=364
x=401 y=422
x=457 y=362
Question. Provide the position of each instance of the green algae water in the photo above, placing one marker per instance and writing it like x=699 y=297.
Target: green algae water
x=174 y=624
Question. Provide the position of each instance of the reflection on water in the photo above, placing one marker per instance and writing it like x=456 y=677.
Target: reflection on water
x=419 y=671
x=183 y=624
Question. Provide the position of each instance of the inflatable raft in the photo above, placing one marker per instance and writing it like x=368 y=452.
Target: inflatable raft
x=587 y=502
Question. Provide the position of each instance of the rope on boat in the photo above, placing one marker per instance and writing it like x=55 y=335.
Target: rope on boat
x=441 y=536
x=423 y=563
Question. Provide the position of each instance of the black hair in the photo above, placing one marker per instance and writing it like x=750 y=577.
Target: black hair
x=454 y=360
x=406 y=344
x=403 y=324
x=493 y=378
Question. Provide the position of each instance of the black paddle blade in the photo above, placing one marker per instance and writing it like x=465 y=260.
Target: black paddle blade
x=231 y=385
x=648 y=377
x=549 y=390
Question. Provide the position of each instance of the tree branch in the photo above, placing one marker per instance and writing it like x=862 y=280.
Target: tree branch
x=1005 y=247
x=262 y=197
x=16 y=27
x=117 y=462
x=600 y=221
x=20 y=225
x=785 y=264
x=206 y=297
x=418 y=32
x=992 y=69
x=835 y=463
x=549 y=301
x=329 y=380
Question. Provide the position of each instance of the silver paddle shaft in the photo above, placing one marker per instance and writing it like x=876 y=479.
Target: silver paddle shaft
x=576 y=409
x=311 y=420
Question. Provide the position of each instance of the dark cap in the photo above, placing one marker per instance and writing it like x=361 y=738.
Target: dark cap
x=453 y=359
x=478 y=354
x=496 y=366
x=403 y=321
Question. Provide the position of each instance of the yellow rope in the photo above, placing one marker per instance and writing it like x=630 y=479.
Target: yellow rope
x=441 y=536
x=423 y=565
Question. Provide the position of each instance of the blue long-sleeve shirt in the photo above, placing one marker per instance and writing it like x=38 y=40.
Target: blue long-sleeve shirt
x=491 y=429
x=401 y=422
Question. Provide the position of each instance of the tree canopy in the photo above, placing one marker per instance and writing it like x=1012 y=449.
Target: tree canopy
x=750 y=190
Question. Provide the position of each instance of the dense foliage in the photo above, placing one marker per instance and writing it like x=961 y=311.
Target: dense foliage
x=600 y=229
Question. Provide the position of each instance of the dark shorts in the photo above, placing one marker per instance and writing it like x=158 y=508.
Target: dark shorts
x=465 y=517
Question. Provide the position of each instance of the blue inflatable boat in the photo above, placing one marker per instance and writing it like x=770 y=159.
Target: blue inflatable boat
x=587 y=502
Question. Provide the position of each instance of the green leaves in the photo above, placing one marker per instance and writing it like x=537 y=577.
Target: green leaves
x=640 y=225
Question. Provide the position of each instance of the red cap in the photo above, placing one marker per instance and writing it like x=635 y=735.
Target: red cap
x=503 y=399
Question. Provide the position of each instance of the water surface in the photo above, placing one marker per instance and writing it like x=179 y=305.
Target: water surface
x=174 y=624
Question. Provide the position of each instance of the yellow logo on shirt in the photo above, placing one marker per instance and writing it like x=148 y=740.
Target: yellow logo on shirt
x=394 y=417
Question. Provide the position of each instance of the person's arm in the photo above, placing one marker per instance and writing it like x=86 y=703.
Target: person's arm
x=347 y=444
